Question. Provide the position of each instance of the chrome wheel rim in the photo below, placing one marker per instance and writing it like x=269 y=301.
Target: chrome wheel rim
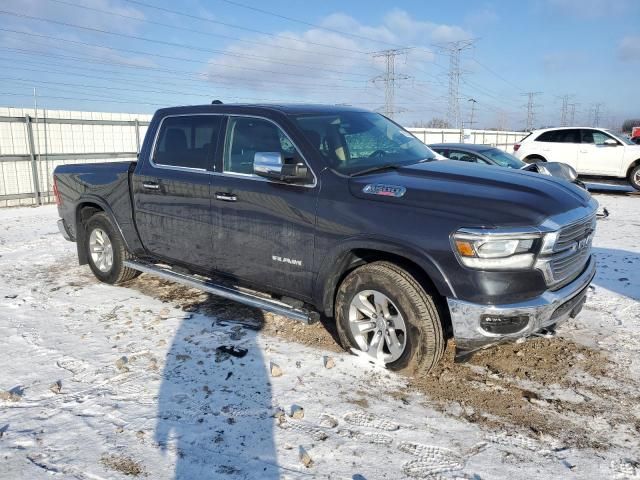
x=636 y=178
x=101 y=250
x=377 y=326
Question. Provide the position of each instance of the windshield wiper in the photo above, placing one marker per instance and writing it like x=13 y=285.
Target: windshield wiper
x=386 y=166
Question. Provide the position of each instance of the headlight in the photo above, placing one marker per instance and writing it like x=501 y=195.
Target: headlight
x=496 y=251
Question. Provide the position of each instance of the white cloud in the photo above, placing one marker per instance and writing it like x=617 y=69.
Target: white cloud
x=332 y=58
x=629 y=49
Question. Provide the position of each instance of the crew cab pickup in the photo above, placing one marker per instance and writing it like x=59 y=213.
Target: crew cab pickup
x=312 y=210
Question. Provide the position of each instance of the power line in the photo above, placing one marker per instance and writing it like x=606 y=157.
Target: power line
x=200 y=32
x=157 y=55
x=389 y=78
x=239 y=27
x=454 y=49
x=178 y=45
x=303 y=22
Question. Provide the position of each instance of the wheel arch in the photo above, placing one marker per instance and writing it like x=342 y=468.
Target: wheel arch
x=632 y=165
x=533 y=158
x=85 y=209
x=424 y=269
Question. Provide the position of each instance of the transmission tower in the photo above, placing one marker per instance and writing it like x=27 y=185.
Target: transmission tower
x=453 y=49
x=572 y=113
x=530 y=109
x=596 y=114
x=473 y=108
x=565 y=110
x=389 y=78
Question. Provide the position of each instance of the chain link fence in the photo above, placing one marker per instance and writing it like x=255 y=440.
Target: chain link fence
x=33 y=143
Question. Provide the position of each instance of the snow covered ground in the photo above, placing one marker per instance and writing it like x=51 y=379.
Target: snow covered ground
x=99 y=381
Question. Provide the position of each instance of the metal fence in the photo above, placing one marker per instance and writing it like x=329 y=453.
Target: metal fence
x=496 y=138
x=33 y=143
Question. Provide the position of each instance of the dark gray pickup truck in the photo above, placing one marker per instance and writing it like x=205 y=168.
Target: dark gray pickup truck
x=306 y=210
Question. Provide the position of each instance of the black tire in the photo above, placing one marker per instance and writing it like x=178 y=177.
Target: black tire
x=534 y=159
x=425 y=342
x=118 y=273
x=634 y=177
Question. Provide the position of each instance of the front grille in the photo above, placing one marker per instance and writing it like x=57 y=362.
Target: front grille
x=572 y=251
x=570 y=234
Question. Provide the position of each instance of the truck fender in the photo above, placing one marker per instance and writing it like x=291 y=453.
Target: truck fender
x=88 y=200
x=336 y=262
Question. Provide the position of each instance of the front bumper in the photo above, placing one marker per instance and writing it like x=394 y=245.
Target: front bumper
x=62 y=226
x=549 y=309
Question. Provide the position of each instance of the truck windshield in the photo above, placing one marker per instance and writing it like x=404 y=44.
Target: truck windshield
x=353 y=142
x=503 y=159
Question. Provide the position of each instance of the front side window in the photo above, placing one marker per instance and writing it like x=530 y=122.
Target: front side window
x=595 y=137
x=187 y=141
x=246 y=136
x=351 y=142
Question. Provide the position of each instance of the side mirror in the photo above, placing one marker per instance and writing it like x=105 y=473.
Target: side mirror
x=610 y=142
x=274 y=166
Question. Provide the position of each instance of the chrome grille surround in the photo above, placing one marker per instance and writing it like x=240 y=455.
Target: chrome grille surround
x=568 y=251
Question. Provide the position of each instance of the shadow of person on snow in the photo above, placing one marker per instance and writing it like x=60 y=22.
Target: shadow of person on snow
x=214 y=404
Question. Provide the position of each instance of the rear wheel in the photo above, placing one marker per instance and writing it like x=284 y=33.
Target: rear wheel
x=634 y=177
x=106 y=251
x=382 y=311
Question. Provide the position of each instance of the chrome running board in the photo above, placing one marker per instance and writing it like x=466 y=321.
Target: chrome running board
x=246 y=298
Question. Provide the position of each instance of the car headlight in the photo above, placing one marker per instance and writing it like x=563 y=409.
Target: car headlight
x=496 y=251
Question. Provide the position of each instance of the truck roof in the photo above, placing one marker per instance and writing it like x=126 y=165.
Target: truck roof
x=244 y=108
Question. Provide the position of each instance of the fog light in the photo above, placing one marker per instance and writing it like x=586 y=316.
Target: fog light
x=503 y=325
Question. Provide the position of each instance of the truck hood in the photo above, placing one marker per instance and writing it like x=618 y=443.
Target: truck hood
x=479 y=195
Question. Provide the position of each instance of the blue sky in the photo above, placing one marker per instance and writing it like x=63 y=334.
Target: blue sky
x=135 y=56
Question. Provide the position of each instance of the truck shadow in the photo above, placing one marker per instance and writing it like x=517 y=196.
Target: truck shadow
x=618 y=271
x=214 y=417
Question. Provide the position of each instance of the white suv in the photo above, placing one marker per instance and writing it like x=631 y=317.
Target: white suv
x=591 y=151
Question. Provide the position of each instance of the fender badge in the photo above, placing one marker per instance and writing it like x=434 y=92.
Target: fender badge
x=384 y=190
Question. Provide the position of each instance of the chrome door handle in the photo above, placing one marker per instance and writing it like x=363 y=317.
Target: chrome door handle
x=226 y=197
x=151 y=186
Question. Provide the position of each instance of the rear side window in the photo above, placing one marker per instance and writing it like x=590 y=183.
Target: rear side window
x=560 y=136
x=188 y=141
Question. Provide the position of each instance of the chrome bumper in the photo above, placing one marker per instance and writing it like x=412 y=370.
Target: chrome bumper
x=62 y=226
x=549 y=309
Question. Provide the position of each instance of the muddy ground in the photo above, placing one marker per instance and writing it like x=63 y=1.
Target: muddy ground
x=549 y=388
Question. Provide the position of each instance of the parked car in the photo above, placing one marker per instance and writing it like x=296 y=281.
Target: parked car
x=487 y=155
x=337 y=211
x=635 y=140
x=591 y=151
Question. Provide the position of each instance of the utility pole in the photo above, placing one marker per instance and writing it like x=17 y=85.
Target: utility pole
x=530 y=109
x=454 y=49
x=473 y=107
x=389 y=78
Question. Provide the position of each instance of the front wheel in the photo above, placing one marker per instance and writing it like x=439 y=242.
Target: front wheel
x=385 y=313
x=634 y=177
x=106 y=251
